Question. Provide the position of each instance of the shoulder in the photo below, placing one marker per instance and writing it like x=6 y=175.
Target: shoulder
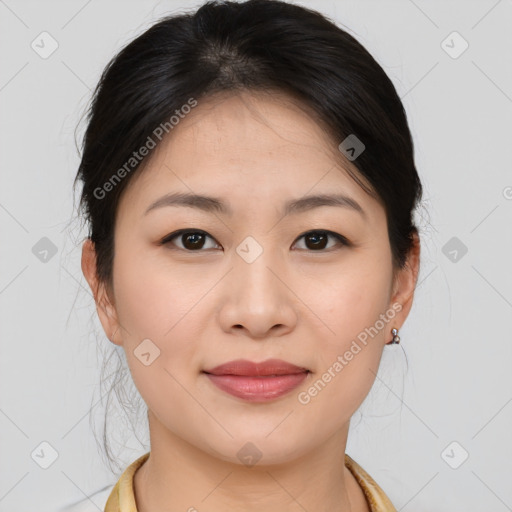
x=375 y=496
x=94 y=503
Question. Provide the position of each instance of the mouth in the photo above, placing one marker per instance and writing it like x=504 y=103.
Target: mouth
x=257 y=382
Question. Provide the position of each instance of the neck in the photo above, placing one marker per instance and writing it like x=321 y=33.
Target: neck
x=179 y=477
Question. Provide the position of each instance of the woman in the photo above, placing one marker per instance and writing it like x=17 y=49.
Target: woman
x=249 y=181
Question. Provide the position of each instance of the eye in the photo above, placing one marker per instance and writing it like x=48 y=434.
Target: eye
x=316 y=240
x=194 y=240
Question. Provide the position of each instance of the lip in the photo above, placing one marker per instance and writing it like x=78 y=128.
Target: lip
x=252 y=369
x=257 y=382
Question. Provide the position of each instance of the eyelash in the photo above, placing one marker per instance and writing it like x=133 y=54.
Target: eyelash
x=340 y=238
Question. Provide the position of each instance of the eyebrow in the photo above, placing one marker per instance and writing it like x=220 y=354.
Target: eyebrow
x=214 y=204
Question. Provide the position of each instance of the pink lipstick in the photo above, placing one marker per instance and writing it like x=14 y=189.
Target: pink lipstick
x=257 y=382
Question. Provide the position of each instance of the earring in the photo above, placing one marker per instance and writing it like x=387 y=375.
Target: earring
x=396 y=338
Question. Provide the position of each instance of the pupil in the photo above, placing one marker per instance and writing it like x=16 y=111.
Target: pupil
x=315 y=238
x=193 y=236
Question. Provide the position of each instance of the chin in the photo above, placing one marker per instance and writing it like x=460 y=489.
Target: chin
x=259 y=449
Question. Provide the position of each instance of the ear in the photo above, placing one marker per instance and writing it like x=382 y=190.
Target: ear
x=104 y=306
x=404 y=283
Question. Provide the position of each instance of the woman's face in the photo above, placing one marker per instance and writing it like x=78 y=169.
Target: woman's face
x=252 y=284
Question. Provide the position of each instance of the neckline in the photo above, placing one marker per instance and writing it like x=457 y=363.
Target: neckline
x=122 y=497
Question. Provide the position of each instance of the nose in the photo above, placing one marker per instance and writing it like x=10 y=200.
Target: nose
x=257 y=299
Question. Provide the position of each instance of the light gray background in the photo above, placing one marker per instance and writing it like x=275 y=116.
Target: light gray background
x=457 y=386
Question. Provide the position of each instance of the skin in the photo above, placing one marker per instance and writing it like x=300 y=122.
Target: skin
x=294 y=302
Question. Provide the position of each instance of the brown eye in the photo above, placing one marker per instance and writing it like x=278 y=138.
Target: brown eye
x=196 y=240
x=191 y=240
x=318 y=240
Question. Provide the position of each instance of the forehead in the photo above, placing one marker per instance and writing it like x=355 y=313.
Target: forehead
x=248 y=146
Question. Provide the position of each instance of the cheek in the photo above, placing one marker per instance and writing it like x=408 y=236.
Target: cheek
x=154 y=313
x=349 y=301
x=152 y=298
x=349 y=353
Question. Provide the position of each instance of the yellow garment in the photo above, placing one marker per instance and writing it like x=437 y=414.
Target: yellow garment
x=122 y=498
